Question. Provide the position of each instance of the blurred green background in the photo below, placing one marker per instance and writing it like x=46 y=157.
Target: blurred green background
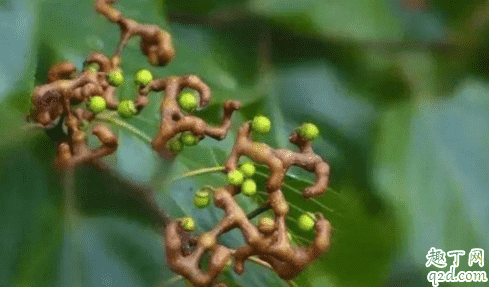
x=398 y=89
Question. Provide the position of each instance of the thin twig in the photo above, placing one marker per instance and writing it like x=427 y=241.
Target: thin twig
x=171 y=281
x=111 y=119
x=198 y=172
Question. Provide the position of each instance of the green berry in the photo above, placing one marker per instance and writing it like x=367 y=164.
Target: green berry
x=94 y=67
x=189 y=139
x=126 y=109
x=188 y=223
x=307 y=221
x=235 y=177
x=248 y=169
x=202 y=198
x=309 y=131
x=143 y=77
x=115 y=78
x=248 y=187
x=261 y=124
x=187 y=101
x=175 y=146
x=97 y=104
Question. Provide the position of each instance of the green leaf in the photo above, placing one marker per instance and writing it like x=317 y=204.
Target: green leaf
x=343 y=20
x=105 y=252
x=432 y=166
x=30 y=218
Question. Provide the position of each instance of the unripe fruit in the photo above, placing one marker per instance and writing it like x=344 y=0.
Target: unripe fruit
x=94 y=67
x=175 y=146
x=115 y=78
x=248 y=187
x=143 y=77
x=307 y=221
x=97 y=104
x=126 y=109
x=309 y=131
x=235 y=177
x=261 y=124
x=248 y=169
x=187 y=101
x=189 y=139
x=187 y=223
x=202 y=198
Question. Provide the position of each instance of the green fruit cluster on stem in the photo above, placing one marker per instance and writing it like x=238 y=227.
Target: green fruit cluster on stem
x=248 y=187
x=235 y=177
x=248 y=169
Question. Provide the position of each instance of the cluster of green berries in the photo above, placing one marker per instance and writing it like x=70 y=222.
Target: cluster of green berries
x=126 y=108
x=184 y=139
x=262 y=124
x=241 y=176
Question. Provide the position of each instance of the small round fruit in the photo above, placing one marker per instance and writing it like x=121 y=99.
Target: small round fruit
x=202 y=198
x=115 y=78
x=175 y=146
x=143 y=77
x=126 y=109
x=248 y=169
x=188 y=223
x=235 y=177
x=309 y=131
x=189 y=139
x=97 y=104
x=261 y=124
x=94 y=67
x=248 y=187
x=187 y=101
x=307 y=221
